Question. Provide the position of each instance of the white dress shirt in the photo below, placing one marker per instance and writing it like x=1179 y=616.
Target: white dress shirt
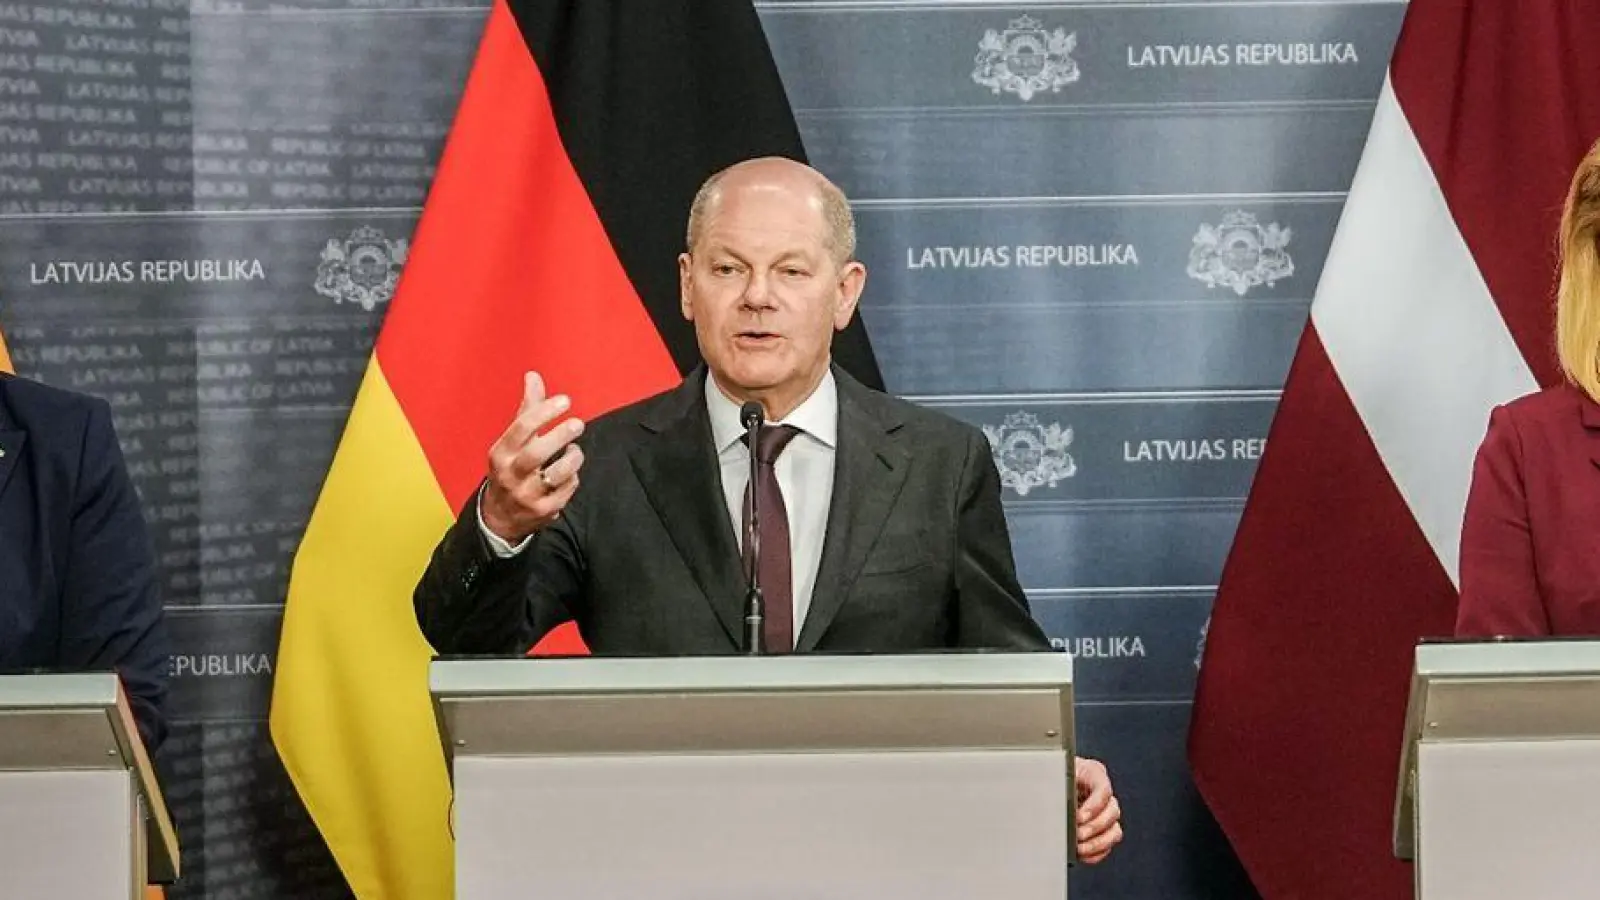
x=805 y=475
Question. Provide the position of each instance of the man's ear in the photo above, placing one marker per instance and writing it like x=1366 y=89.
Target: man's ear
x=685 y=279
x=852 y=280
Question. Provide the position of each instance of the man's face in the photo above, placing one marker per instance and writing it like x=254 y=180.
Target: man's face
x=764 y=291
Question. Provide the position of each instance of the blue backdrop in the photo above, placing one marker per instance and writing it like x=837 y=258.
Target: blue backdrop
x=1092 y=228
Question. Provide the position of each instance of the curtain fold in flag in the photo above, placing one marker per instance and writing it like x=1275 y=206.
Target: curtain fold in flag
x=548 y=243
x=1435 y=304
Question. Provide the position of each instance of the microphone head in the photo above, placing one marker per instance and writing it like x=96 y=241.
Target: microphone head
x=751 y=414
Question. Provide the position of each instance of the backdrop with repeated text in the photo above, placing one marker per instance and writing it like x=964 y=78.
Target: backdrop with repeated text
x=1092 y=228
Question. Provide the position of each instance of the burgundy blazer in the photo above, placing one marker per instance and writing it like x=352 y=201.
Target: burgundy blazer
x=1530 y=544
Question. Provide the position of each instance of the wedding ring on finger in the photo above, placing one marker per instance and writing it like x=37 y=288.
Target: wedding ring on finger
x=544 y=479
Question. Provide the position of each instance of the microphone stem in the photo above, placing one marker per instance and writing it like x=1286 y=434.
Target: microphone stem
x=754 y=604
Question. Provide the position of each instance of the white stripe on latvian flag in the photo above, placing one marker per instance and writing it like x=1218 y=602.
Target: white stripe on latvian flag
x=1412 y=330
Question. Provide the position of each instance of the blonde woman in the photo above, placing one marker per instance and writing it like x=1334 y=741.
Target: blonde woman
x=1530 y=544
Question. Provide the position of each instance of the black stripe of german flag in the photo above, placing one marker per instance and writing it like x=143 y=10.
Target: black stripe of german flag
x=650 y=99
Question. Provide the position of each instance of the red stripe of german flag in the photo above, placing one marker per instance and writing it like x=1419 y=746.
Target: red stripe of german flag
x=547 y=244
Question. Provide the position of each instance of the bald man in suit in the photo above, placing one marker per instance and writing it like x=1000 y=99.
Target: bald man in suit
x=881 y=525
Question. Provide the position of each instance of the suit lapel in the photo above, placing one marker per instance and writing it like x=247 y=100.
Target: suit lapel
x=1589 y=413
x=677 y=466
x=11 y=442
x=868 y=471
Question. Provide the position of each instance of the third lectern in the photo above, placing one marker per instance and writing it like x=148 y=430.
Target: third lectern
x=937 y=776
x=1499 y=789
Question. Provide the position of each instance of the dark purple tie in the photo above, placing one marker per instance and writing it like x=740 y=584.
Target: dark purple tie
x=777 y=586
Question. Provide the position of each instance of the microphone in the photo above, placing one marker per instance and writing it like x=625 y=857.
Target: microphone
x=751 y=415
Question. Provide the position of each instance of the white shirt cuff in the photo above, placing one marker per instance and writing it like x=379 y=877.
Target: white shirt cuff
x=501 y=548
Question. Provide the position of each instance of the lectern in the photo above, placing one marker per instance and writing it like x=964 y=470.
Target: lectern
x=937 y=776
x=1499 y=789
x=81 y=813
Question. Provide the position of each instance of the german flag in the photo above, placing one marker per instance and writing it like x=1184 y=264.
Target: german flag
x=548 y=243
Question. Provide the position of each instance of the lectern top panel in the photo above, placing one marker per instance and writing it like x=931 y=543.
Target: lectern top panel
x=1518 y=690
x=58 y=720
x=1494 y=690
x=798 y=703
x=799 y=672
x=63 y=721
x=1500 y=659
x=58 y=690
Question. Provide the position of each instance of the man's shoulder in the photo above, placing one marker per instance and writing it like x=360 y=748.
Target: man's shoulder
x=36 y=406
x=618 y=429
x=66 y=431
x=914 y=416
x=638 y=411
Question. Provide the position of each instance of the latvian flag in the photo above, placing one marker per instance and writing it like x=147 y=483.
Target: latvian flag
x=1436 y=304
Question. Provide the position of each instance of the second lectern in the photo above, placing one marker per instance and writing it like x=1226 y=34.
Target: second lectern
x=937 y=776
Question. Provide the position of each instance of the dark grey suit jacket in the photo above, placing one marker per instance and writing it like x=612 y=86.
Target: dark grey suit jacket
x=78 y=580
x=916 y=555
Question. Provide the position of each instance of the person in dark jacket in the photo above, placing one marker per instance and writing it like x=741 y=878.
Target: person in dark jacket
x=77 y=568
